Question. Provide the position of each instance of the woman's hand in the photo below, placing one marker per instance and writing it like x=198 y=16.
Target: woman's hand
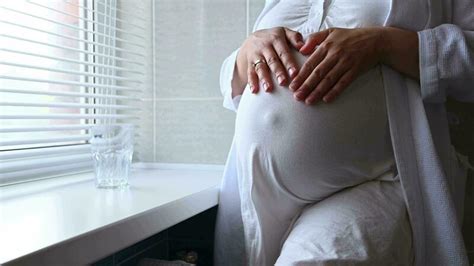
x=265 y=52
x=339 y=56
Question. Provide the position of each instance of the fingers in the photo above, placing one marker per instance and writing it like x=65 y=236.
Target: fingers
x=331 y=78
x=340 y=86
x=289 y=63
x=314 y=40
x=319 y=74
x=275 y=65
x=252 y=78
x=272 y=46
x=263 y=73
x=294 y=38
x=308 y=67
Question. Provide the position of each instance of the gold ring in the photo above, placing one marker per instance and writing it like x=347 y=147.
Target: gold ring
x=259 y=61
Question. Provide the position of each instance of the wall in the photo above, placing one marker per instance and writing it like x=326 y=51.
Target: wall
x=139 y=13
x=192 y=39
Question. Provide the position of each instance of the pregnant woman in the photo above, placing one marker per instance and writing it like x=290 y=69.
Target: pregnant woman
x=341 y=154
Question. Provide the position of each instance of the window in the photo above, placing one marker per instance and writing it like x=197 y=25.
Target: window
x=64 y=66
x=68 y=64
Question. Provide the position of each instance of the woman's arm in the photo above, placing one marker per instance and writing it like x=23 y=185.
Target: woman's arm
x=399 y=50
x=447 y=57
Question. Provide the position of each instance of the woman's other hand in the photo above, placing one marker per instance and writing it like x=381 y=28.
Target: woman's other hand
x=266 y=52
x=339 y=56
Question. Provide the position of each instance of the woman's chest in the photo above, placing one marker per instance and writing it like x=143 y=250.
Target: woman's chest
x=309 y=16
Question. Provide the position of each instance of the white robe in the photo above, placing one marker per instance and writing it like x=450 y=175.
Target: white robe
x=431 y=174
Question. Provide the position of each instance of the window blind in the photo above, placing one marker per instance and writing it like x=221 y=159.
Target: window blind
x=64 y=67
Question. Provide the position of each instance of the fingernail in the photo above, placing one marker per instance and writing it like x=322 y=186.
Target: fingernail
x=309 y=101
x=266 y=87
x=292 y=71
x=299 y=45
x=326 y=99
x=293 y=86
x=298 y=96
x=281 y=79
x=252 y=89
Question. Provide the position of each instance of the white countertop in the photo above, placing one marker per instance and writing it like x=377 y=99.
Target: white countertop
x=67 y=221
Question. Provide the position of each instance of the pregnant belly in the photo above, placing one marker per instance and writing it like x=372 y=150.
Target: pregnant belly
x=314 y=151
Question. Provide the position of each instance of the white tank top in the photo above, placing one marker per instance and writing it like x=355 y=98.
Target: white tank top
x=318 y=150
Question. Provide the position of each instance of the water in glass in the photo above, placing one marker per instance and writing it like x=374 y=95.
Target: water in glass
x=112 y=151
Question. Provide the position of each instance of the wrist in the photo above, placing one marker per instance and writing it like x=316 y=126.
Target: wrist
x=384 y=45
x=399 y=50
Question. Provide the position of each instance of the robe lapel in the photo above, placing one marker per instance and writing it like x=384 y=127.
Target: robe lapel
x=413 y=15
x=398 y=111
x=436 y=237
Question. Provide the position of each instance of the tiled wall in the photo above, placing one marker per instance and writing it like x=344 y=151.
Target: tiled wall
x=139 y=40
x=192 y=39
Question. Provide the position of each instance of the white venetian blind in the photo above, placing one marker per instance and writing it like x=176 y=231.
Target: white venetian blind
x=64 y=65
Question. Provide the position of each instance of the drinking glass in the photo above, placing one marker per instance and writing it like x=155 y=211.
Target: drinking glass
x=112 y=151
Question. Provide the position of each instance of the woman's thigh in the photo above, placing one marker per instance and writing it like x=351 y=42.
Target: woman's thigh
x=364 y=225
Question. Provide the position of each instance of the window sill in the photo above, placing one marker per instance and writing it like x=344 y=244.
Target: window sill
x=67 y=221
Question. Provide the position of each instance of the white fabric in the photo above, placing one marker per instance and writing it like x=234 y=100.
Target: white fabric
x=308 y=16
x=431 y=175
x=419 y=127
x=353 y=227
x=290 y=155
x=318 y=150
x=226 y=75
